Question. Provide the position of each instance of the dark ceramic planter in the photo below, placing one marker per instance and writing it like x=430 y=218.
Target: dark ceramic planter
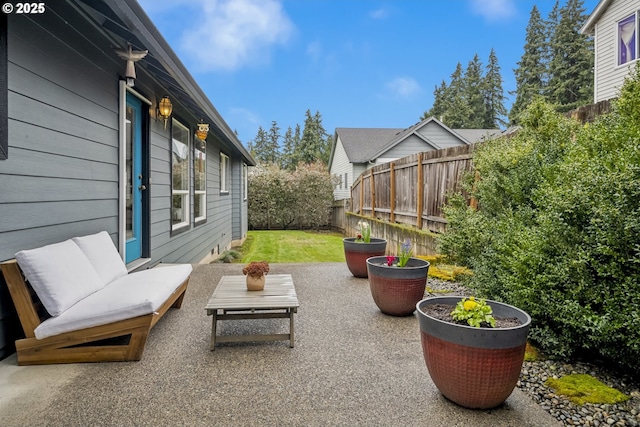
x=396 y=290
x=477 y=368
x=356 y=254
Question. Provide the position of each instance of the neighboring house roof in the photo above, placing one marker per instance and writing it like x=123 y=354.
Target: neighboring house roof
x=367 y=144
x=589 y=26
x=161 y=62
x=361 y=144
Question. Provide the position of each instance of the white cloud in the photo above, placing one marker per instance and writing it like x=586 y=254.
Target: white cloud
x=403 y=87
x=379 y=13
x=494 y=10
x=230 y=34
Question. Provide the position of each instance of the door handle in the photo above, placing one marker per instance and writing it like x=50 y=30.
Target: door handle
x=142 y=187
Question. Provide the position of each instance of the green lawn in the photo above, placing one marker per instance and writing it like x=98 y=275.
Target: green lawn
x=293 y=246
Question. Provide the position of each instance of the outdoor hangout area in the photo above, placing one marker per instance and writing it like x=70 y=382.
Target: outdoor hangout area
x=351 y=365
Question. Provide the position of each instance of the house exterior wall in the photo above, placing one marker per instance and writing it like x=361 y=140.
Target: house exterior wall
x=61 y=177
x=411 y=145
x=439 y=136
x=340 y=166
x=609 y=76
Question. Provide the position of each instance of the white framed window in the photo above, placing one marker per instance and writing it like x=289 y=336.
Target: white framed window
x=225 y=173
x=180 y=149
x=245 y=181
x=627 y=39
x=199 y=180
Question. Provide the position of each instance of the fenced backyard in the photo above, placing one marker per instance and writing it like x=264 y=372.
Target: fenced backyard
x=412 y=190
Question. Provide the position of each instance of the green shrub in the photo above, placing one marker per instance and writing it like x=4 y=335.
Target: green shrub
x=280 y=199
x=557 y=232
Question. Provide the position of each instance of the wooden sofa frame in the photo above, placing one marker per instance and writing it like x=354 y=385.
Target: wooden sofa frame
x=83 y=345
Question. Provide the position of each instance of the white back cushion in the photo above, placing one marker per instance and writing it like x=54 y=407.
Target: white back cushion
x=60 y=274
x=104 y=256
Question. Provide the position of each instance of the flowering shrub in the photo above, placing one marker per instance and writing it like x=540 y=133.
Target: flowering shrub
x=474 y=312
x=364 y=232
x=256 y=269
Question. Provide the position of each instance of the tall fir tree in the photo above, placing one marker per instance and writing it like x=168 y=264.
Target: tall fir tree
x=532 y=70
x=495 y=111
x=260 y=146
x=571 y=68
x=473 y=87
x=288 y=158
x=272 y=154
x=440 y=101
x=457 y=109
x=312 y=145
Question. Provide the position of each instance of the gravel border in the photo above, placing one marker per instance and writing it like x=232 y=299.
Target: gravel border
x=534 y=374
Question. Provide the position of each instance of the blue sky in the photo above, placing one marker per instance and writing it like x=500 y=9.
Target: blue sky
x=360 y=63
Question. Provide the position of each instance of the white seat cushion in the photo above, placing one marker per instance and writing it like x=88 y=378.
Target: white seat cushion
x=104 y=256
x=60 y=274
x=136 y=294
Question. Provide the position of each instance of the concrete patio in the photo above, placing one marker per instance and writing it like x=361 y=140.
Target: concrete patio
x=351 y=366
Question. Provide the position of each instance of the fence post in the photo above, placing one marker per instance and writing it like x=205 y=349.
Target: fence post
x=361 y=194
x=392 y=195
x=373 y=195
x=420 y=193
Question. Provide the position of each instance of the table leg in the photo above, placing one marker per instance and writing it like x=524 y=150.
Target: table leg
x=291 y=336
x=214 y=321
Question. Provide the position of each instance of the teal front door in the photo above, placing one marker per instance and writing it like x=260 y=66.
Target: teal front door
x=134 y=179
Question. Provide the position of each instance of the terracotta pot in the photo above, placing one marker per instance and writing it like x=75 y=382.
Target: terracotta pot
x=356 y=254
x=396 y=290
x=255 y=284
x=477 y=368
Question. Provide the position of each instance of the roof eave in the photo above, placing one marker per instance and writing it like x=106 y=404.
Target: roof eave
x=132 y=13
x=590 y=25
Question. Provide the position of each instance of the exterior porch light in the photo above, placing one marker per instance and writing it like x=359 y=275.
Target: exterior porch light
x=164 y=109
x=203 y=130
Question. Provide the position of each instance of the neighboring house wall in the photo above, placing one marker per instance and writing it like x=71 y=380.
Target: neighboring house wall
x=411 y=145
x=609 y=76
x=340 y=167
x=438 y=136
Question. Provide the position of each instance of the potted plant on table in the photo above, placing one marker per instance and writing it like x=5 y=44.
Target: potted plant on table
x=358 y=249
x=256 y=272
x=397 y=283
x=473 y=348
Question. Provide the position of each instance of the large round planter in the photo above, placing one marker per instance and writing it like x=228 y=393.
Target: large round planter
x=356 y=253
x=396 y=290
x=477 y=368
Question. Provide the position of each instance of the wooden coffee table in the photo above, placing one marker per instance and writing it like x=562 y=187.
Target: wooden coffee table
x=232 y=301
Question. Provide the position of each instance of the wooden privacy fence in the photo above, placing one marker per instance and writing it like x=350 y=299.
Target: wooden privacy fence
x=412 y=190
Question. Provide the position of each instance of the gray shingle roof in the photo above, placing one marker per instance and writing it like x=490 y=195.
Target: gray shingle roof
x=361 y=144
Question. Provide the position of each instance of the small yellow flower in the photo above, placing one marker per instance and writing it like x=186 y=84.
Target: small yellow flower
x=470 y=304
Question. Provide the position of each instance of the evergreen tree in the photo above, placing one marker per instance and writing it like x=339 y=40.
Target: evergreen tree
x=312 y=145
x=440 y=94
x=260 y=146
x=272 y=154
x=473 y=86
x=571 y=68
x=531 y=72
x=495 y=111
x=457 y=109
x=287 y=159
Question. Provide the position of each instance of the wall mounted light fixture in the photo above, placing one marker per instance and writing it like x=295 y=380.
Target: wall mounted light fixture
x=164 y=109
x=203 y=130
x=131 y=56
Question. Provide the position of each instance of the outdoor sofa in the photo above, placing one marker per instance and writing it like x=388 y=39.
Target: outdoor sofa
x=77 y=302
